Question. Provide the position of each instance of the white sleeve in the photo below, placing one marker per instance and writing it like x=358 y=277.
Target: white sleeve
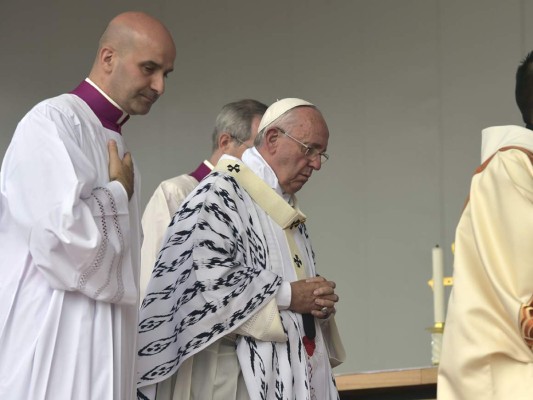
x=78 y=225
x=283 y=295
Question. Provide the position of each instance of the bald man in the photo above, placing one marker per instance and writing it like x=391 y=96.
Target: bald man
x=70 y=226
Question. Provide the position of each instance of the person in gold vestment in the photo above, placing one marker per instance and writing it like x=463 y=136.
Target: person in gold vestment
x=487 y=344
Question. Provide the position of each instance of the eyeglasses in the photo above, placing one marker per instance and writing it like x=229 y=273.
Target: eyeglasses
x=241 y=143
x=310 y=152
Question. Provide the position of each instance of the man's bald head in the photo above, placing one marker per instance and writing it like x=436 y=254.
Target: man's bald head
x=125 y=29
x=135 y=54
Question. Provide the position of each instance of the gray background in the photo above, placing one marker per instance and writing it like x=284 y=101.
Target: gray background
x=406 y=87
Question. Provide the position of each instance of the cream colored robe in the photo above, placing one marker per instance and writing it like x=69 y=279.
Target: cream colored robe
x=487 y=342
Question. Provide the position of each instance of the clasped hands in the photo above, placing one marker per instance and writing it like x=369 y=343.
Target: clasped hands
x=315 y=296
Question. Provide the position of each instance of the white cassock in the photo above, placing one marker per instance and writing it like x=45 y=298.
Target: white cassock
x=222 y=265
x=160 y=209
x=70 y=254
x=488 y=338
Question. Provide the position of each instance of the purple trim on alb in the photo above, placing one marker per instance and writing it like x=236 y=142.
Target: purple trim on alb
x=201 y=172
x=108 y=114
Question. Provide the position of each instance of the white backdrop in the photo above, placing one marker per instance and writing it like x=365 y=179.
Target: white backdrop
x=406 y=87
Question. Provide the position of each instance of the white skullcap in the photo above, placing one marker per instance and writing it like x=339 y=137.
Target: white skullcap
x=279 y=108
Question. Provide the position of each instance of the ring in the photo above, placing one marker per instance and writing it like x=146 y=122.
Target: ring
x=324 y=310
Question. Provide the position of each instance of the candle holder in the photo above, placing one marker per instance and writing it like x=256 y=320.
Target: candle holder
x=438 y=328
x=436 y=342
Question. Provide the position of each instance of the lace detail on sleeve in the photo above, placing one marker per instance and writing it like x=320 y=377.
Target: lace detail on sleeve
x=114 y=263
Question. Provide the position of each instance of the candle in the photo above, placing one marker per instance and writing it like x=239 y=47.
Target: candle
x=438 y=284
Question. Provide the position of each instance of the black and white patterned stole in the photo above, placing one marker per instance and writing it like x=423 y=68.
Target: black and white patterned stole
x=287 y=217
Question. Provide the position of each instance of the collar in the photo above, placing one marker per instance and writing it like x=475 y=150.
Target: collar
x=107 y=111
x=259 y=166
x=202 y=171
x=496 y=137
x=286 y=216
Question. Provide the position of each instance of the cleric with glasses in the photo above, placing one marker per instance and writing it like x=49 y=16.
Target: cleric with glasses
x=310 y=152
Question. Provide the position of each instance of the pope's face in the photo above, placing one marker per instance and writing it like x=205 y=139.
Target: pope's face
x=293 y=167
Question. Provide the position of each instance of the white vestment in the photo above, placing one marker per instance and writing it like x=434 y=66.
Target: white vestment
x=222 y=263
x=488 y=338
x=158 y=213
x=69 y=264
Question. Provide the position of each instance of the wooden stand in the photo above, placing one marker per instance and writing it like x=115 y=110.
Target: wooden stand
x=405 y=384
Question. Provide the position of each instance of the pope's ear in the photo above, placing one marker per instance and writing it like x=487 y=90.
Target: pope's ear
x=271 y=138
x=270 y=141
